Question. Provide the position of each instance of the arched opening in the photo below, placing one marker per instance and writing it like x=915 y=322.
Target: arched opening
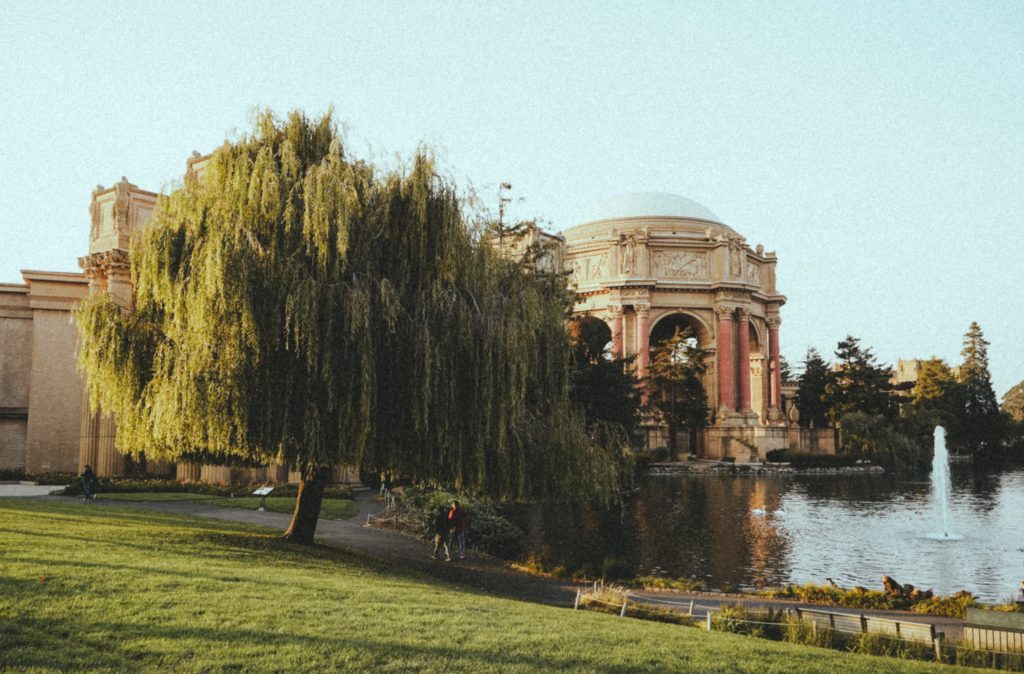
x=678 y=366
x=591 y=338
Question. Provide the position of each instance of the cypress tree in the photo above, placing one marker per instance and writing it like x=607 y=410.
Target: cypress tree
x=980 y=425
x=295 y=306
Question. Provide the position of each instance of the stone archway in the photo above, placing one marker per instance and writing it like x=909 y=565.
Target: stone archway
x=684 y=439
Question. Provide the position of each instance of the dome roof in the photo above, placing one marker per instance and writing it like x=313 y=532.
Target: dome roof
x=648 y=204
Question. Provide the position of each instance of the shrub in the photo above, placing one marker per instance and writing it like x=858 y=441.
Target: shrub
x=954 y=606
x=11 y=475
x=804 y=461
x=488 y=530
x=663 y=583
x=613 y=568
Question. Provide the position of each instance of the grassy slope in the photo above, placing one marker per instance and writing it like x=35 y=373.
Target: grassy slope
x=332 y=509
x=85 y=588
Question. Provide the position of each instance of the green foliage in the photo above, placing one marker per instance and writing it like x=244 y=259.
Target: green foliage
x=665 y=583
x=295 y=306
x=955 y=605
x=605 y=389
x=805 y=460
x=1013 y=403
x=488 y=530
x=810 y=397
x=883 y=441
x=674 y=381
x=981 y=427
x=858 y=384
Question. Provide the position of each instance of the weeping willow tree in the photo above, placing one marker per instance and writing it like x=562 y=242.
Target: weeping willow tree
x=299 y=307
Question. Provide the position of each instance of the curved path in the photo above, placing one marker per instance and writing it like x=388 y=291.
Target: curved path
x=483 y=572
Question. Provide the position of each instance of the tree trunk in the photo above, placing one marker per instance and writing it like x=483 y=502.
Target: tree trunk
x=307 y=505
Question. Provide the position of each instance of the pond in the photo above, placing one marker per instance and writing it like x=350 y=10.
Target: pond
x=850 y=528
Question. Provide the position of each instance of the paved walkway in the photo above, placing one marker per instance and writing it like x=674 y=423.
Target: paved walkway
x=482 y=572
x=28 y=489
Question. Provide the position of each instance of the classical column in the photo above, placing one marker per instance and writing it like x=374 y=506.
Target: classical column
x=726 y=395
x=774 y=366
x=109 y=461
x=643 y=338
x=743 y=358
x=119 y=278
x=188 y=472
x=616 y=313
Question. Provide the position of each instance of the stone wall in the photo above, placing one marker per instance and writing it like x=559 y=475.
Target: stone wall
x=40 y=388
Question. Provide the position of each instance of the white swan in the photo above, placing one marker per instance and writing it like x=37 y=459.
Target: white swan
x=758 y=511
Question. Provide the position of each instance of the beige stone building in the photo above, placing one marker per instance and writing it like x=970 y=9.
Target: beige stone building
x=644 y=263
x=40 y=389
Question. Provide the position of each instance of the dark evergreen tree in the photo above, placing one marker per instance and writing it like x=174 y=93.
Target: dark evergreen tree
x=858 y=383
x=785 y=372
x=981 y=426
x=604 y=388
x=810 y=396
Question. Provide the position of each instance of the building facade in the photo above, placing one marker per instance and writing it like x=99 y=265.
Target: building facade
x=648 y=263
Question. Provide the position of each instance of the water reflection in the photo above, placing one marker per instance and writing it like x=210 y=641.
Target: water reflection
x=852 y=529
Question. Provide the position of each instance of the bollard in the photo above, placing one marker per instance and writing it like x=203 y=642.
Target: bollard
x=691 y=607
x=709 y=620
x=938 y=645
x=622 y=613
x=576 y=604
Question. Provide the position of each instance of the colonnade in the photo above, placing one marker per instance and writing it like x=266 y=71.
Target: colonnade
x=732 y=354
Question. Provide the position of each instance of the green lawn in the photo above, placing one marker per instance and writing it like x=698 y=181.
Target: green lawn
x=117 y=589
x=332 y=509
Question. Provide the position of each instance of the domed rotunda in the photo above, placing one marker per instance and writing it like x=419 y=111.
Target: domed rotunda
x=648 y=263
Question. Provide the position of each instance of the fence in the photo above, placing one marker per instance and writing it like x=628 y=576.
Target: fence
x=390 y=509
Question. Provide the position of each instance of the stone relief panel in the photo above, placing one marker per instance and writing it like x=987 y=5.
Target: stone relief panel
x=680 y=264
x=589 y=268
x=753 y=273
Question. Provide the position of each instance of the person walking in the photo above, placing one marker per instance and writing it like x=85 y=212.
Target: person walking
x=458 y=522
x=441 y=533
x=88 y=484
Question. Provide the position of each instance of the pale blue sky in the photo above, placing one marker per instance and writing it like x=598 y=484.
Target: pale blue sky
x=878 y=147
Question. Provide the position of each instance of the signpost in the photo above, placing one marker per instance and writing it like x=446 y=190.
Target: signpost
x=262 y=493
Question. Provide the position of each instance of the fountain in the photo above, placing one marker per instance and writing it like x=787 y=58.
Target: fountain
x=941 y=486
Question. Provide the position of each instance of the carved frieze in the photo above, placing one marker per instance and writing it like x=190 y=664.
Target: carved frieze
x=680 y=264
x=589 y=268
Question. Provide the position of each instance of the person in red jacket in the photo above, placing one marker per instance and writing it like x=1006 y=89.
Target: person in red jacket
x=458 y=522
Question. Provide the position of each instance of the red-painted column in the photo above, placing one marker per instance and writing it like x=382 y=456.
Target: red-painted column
x=774 y=364
x=643 y=339
x=743 y=358
x=616 y=332
x=726 y=395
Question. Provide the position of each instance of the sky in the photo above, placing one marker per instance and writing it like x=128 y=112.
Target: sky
x=877 y=147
